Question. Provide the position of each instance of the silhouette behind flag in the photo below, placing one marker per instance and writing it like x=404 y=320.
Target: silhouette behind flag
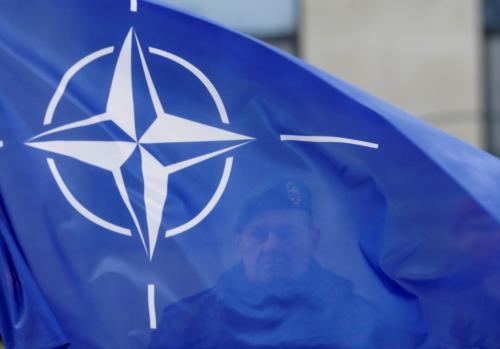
x=168 y=183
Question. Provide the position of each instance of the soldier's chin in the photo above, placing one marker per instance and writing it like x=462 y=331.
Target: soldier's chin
x=271 y=273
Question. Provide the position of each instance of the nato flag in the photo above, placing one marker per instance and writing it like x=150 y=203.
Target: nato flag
x=168 y=183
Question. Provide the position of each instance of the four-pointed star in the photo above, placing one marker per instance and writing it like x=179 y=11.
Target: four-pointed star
x=111 y=155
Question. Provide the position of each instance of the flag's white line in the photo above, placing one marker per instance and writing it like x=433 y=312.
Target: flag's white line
x=328 y=139
x=82 y=123
x=120 y=184
x=149 y=81
x=47 y=120
x=1 y=143
x=210 y=205
x=133 y=5
x=79 y=207
x=199 y=74
x=151 y=306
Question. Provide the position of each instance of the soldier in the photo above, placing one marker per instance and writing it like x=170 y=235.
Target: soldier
x=278 y=295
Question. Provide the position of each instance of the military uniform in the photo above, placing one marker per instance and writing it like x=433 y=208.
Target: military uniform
x=277 y=307
x=318 y=311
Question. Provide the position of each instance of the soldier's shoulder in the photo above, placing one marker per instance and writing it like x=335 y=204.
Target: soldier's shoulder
x=196 y=304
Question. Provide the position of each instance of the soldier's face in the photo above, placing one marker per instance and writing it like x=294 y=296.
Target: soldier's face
x=277 y=245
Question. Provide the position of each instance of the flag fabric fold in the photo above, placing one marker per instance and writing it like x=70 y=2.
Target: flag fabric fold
x=26 y=319
x=167 y=182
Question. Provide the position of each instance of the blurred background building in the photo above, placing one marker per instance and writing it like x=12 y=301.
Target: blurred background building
x=436 y=59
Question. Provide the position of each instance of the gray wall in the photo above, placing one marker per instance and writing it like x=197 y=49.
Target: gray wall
x=423 y=56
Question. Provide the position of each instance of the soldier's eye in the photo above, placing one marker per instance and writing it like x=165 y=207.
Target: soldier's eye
x=258 y=234
x=286 y=233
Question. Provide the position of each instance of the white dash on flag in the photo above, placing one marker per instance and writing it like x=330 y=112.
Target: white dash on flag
x=151 y=306
x=328 y=139
x=133 y=5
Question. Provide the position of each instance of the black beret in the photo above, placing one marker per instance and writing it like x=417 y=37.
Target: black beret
x=281 y=195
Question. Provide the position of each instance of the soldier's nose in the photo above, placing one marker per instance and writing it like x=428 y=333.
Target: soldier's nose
x=272 y=241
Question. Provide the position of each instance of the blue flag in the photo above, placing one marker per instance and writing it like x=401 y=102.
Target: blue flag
x=169 y=183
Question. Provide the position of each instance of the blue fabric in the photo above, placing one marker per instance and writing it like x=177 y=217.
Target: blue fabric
x=26 y=319
x=354 y=246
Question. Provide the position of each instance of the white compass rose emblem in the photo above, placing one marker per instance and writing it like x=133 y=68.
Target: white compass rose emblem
x=111 y=155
